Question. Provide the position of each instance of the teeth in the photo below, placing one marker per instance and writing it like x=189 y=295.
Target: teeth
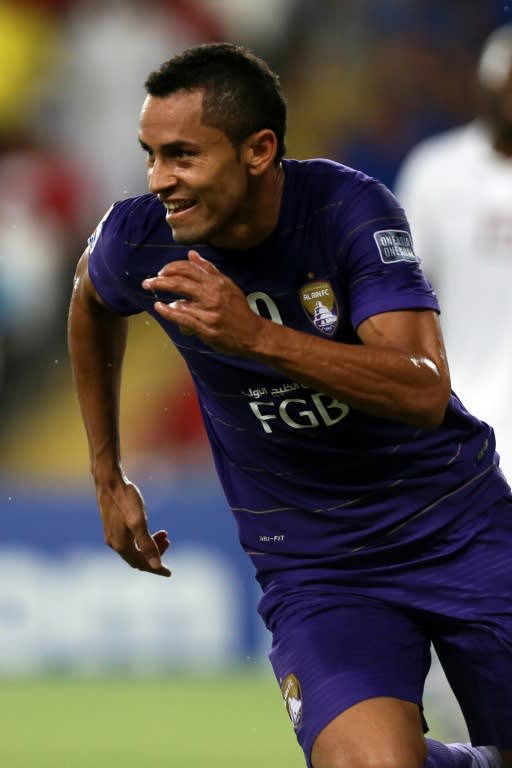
x=178 y=206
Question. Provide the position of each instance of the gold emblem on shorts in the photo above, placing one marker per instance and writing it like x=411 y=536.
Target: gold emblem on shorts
x=292 y=695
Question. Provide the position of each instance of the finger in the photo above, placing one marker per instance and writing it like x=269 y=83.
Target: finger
x=131 y=554
x=141 y=565
x=149 y=551
x=161 y=539
x=187 y=317
x=186 y=282
x=196 y=258
x=193 y=268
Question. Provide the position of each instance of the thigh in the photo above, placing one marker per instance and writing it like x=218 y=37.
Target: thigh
x=351 y=649
x=380 y=731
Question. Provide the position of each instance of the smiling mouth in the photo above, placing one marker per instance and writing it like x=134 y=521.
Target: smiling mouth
x=174 y=208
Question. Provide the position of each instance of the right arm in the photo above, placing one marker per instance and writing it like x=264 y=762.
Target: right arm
x=97 y=341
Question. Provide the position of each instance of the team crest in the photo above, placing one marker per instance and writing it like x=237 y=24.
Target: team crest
x=319 y=303
x=292 y=695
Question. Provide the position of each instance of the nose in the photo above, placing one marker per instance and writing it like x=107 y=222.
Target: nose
x=161 y=178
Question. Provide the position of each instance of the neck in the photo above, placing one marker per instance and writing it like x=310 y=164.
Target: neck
x=260 y=215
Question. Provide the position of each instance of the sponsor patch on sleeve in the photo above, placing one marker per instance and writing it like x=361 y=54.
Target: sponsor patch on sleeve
x=93 y=239
x=395 y=245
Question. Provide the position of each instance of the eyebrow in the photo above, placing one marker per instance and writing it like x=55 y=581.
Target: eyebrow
x=172 y=146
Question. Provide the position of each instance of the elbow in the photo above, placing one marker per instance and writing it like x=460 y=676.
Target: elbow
x=431 y=420
x=432 y=406
x=432 y=414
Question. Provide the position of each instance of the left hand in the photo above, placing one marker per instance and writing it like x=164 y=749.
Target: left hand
x=214 y=308
x=125 y=526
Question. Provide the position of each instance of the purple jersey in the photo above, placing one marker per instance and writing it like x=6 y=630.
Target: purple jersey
x=311 y=481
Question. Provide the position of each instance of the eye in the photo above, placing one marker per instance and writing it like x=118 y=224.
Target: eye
x=180 y=153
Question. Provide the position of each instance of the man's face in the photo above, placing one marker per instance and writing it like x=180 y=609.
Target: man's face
x=194 y=169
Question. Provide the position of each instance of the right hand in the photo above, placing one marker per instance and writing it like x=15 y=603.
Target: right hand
x=213 y=307
x=123 y=513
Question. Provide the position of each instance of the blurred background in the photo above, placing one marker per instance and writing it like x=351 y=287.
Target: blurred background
x=365 y=81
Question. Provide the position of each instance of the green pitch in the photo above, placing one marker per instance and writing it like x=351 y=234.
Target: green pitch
x=177 y=722
x=233 y=720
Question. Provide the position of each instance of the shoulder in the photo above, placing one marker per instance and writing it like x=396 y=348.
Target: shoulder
x=330 y=186
x=131 y=241
x=325 y=175
x=131 y=222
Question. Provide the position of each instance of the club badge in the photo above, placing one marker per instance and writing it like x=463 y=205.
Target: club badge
x=319 y=303
x=292 y=695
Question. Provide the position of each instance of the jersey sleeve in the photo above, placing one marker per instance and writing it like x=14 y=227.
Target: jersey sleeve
x=107 y=255
x=379 y=261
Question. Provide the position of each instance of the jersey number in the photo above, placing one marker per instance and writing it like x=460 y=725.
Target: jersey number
x=272 y=311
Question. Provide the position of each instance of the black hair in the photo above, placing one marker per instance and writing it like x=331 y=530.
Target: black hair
x=242 y=95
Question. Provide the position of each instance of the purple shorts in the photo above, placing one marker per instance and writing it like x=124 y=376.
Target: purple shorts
x=370 y=633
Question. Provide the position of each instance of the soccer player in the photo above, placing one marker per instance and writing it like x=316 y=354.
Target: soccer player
x=369 y=500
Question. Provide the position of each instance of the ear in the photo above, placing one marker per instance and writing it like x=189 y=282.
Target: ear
x=259 y=151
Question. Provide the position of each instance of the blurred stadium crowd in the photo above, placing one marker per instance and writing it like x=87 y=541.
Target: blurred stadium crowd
x=365 y=80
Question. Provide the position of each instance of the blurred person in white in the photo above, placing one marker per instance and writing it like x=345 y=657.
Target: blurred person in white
x=112 y=44
x=457 y=190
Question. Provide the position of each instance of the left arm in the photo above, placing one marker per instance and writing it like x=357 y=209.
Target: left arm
x=399 y=372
